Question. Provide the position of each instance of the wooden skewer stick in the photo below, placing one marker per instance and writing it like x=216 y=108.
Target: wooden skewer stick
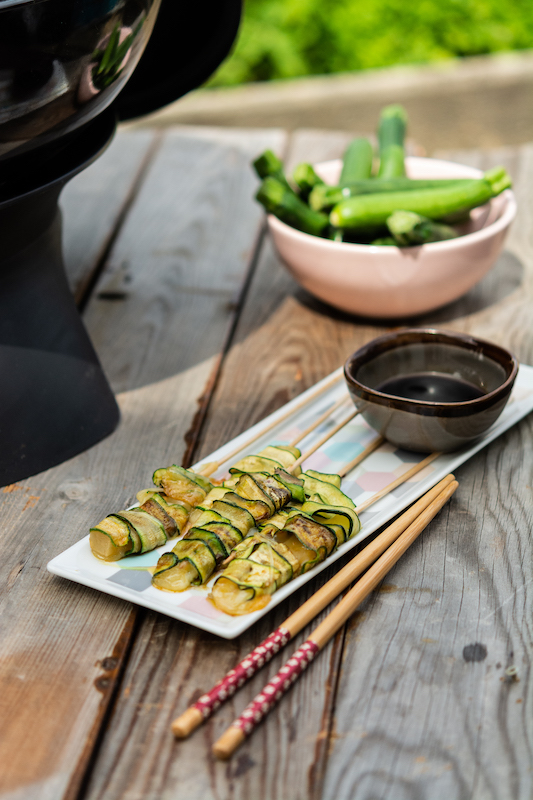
x=322 y=418
x=187 y=722
x=398 y=482
x=377 y=442
x=212 y=466
x=274 y=690
x=321 y=441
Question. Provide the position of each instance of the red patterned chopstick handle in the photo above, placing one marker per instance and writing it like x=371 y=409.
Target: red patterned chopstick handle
x=253 y=662
x=276 y=688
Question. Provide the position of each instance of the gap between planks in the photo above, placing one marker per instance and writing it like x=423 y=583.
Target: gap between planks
x=87 y=287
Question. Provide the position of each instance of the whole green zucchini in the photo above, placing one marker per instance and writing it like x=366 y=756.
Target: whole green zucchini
x=373 y=209
x=305 y=178
x=288 y=207
x=391 y=136
x=357 y=161
x=268 y=164
x=323 y=198
x=410 y=229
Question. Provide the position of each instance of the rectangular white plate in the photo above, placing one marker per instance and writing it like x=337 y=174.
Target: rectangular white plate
x=130 y=578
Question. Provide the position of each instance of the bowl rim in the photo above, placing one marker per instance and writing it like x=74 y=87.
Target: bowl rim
x=406 y=336
x=504 y=220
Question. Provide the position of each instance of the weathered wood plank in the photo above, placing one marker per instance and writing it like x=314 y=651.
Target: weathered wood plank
x=159 y=306
x=62 y=645
x=92 y=203
x=423 y=707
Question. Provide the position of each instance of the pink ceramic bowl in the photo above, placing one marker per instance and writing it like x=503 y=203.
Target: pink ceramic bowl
x=389 y=281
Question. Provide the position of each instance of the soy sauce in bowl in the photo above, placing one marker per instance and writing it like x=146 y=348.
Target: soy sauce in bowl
x=428 y=390
x=432 y=387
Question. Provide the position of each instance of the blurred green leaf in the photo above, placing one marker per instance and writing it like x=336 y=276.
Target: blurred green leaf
x=293 y=38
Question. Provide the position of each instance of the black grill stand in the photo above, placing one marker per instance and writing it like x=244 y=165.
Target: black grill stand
x=55 y=401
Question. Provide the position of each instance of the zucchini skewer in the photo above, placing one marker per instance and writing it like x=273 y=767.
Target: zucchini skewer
x=265 y=561
x=161 y=516
x=244 y=588
x=258 y=487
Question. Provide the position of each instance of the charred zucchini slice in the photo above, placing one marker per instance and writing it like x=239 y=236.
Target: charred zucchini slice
x=199 y=516
x=210 y=538
x=181 y=484
x=237 y=599
x=286 y=456
x=111 y=539
x=216 y=493
x=255 y=464
x=220 y=536
x=178 y=511
x=240 y=518
x=173 y=575
x=245 y=548
x=193 y=562
x=269 y=554
x=257 y=508
x=329 y=493
x=245 y=586
x=150 y=531
x=325 y=476
x=278 y=520
x=292 y=483
x=309 y=541
x=249 y=488
x=274 y=489
x=334 y=515
x=156 y=510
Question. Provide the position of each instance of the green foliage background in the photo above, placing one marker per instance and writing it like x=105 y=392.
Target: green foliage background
x=291 y=38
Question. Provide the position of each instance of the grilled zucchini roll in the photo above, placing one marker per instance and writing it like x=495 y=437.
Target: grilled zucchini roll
x=126 y=533
x=307 y=537
x=165 y=515
x=259 y=569
x=182 y=484
x=194 y=558
x=218 y=528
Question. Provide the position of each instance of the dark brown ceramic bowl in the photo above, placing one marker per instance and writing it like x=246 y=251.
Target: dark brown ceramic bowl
x=457 y=360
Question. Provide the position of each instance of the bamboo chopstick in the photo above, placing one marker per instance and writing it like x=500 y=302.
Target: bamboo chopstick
x=187 y=722
x=276 y=688
x=212 y=466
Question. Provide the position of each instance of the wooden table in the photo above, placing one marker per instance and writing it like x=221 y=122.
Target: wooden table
x=202 y=333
